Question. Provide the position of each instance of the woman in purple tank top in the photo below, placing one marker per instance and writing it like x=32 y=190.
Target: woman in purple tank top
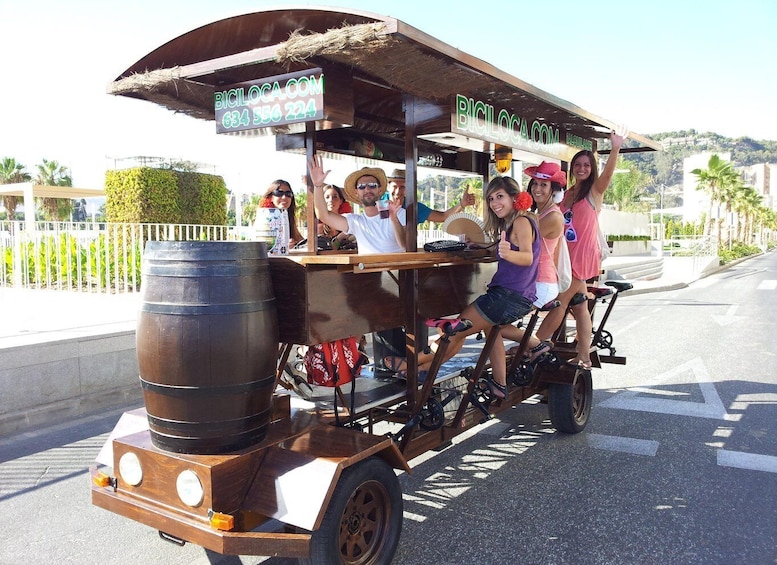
x=512 y=289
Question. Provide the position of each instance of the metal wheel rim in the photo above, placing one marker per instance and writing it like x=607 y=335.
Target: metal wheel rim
x=579 y=398
x=364 y=524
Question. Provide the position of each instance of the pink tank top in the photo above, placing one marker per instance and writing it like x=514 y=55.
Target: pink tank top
x=547 y=267
x=582 y=234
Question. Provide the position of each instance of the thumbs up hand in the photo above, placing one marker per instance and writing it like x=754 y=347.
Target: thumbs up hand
x=504 y=246
x=467 y=199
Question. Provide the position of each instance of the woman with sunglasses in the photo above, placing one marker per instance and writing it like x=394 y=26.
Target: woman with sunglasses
x=581 y=206
x=279 y=195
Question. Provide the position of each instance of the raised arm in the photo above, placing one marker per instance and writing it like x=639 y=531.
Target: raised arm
x=617 y=137
x=318 y=177
x=399 y=229
x=467 y=199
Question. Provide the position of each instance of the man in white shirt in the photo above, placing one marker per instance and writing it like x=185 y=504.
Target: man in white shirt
x=364 y=187
x=373 y=233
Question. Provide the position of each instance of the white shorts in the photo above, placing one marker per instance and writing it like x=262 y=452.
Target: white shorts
x=545 y=293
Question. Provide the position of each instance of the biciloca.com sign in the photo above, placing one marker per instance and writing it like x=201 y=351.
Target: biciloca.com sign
x=481 y=120
x=273 y=101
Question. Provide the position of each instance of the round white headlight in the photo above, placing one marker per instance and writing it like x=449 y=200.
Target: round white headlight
x=189 y=488
x=130 y=470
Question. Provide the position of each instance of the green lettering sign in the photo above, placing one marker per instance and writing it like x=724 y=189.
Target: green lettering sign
x=273 y=101
x=484 y=121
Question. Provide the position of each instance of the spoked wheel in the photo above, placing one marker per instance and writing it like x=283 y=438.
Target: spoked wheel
x=363 y=522
x=523 y=374
x=605 y=342
x=432 y=415
x=569 y=405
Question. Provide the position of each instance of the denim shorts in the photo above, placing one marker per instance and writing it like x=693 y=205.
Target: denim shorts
x=500 y=306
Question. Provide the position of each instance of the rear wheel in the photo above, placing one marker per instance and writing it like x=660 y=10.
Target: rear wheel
x=363 y=522
x=569 y=405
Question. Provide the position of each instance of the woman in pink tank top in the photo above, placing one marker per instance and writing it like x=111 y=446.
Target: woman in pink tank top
x=581 y=206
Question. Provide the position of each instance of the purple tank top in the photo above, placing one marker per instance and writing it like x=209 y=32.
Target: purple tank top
x=515 y=277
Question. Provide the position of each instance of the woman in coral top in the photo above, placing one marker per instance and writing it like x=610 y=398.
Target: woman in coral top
x=581 y=206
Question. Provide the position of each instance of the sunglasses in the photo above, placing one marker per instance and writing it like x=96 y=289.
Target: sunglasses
x=280 y=193
x=569 y=230
x=372 y=185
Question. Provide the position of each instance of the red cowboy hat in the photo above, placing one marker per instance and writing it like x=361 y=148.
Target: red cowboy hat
x=547 y=171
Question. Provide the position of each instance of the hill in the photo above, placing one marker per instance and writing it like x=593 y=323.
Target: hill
x=666 y=167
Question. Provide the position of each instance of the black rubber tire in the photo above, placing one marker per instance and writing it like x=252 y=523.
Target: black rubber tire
x=363 y=522
x=569 y=405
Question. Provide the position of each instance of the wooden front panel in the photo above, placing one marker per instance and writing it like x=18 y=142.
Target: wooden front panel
x=318 y=303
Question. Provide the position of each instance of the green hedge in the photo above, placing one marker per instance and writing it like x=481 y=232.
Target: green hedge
x=164 y=196
x=737 y=251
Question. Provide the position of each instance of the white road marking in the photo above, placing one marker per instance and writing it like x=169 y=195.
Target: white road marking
x=729 y=317
x=751 y=461
x=712 y=407
x=767 y=285
x=630 y=445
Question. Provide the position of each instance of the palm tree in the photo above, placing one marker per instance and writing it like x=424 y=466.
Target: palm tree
x=715 y=180
x=747 y=204
x=12 y=172
x=627 y=189
x=51 y=173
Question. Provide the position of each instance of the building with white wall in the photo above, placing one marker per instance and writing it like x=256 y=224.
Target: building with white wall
x=759 y=177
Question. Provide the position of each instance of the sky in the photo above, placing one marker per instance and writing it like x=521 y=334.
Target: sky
x=656 y=66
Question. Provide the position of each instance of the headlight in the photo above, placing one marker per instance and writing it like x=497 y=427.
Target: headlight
x=189 y=488
x=130 y=470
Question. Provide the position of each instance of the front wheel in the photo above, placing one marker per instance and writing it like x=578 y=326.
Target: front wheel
x=363 y=522
x=569 y=405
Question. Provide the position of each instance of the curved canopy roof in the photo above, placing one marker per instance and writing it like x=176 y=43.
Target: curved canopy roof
x=380 y=58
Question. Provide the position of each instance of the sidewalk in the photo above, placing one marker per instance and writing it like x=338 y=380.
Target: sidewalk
x=36 y=316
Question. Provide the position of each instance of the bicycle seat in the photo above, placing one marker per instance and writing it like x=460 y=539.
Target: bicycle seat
x=450 y=326
x=599 y=291
x=549 y=306
x=620 y=286
x=578 y=298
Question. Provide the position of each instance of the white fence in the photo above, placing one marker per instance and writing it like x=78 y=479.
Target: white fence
x=98 y=257
x=86 y=256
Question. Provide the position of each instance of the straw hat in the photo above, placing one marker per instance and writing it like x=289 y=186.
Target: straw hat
x=350 y=183
x=547 y=171
x=397 y=174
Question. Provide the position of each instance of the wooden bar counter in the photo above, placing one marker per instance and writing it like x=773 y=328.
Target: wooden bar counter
x=331 y=296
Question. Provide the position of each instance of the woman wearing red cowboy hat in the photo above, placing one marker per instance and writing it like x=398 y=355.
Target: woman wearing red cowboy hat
x=581 y=206
x=547 y=188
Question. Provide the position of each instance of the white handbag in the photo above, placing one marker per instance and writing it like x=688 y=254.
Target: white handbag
x=605 y=249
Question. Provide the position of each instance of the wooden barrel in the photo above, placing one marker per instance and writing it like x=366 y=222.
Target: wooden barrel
x=207 y=344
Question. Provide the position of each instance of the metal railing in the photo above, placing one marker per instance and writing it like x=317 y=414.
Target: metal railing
x=99 y=257
x=86 y=256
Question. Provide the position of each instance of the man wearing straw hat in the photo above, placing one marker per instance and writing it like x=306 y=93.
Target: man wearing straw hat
x=373 y=234
x=364 y=187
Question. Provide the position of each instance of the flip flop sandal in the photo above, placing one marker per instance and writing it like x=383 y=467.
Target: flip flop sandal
x=395 y=363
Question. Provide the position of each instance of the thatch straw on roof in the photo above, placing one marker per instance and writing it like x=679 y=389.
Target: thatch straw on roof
x=349 y=38
x=167 y=88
